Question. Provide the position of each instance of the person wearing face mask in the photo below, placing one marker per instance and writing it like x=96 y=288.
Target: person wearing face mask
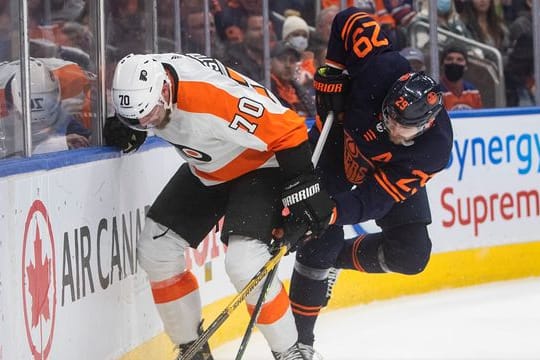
x=458 y=93
x=449 y=19
x=295 y=32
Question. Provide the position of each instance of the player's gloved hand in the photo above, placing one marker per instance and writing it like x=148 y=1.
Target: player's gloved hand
x=292 y=233
x=117 y=134
x=309 y=203
x=331 y=89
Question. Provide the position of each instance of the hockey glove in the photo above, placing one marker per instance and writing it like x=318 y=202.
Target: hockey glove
x=292 y=233
x=117 y=134
x=331 y=89
x=309 y=203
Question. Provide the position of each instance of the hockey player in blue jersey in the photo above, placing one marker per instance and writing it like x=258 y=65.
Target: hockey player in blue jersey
x=390 y=136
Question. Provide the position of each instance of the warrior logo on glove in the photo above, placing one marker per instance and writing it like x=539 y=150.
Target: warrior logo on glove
x=301 y=195
x=331 y=90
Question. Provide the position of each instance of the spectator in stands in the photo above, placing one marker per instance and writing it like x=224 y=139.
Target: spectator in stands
x=522 y=25
x=295 y=31
x=449 y=19
x=519 y=70
x=248 y=57
x=458 y=93
x=508 y=10
x=323 y=25
x=230 y=29
x=485 y=25
x=125 y=28
x=195 y=36
x=283 y=83
x=52 y=128
x=415 y=58
x=519 y=73
x=233 y=14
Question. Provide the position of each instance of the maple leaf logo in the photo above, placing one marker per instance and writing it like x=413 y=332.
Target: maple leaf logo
x=39 y=276
x=39 y=281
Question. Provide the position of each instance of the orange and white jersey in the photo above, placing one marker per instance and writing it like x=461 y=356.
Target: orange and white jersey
x=223 y=123
x=74 y=84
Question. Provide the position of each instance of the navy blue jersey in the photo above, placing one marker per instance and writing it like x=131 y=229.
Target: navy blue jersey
x=359 y=152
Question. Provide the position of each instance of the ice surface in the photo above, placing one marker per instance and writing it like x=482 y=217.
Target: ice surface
x=496 y=321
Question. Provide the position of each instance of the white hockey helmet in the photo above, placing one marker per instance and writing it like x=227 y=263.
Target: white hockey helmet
x=136 y=88
x=44 y=94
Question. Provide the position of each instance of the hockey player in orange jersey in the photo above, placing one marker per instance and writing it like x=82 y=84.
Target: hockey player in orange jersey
x=244 y=152
x=57 y=98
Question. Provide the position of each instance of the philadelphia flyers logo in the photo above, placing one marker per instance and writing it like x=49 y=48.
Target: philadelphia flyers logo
x=143 y=76
x=193 y=153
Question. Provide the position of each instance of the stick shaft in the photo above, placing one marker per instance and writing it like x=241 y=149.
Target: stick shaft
x=322 y=138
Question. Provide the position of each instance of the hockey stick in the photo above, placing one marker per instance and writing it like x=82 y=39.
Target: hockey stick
x=322 y=138
x=256 y=311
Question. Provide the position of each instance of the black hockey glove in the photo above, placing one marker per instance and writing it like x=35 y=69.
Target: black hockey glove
x=117 y=134
x=308 y=203
x=331 y=89
x=292 y=233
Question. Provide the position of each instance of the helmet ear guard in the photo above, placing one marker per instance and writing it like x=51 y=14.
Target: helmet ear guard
x=413 y=100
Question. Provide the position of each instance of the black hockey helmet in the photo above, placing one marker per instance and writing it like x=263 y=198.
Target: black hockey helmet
x=412 y=100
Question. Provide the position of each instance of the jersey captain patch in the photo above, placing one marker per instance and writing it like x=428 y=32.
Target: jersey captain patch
x=193 y=153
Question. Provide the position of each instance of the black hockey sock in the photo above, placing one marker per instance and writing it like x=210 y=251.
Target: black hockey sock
x=308 y=297
x=362 y=254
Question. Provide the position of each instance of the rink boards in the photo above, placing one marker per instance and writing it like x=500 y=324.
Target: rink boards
x=69 y=223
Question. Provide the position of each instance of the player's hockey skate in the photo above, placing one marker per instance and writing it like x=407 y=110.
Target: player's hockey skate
x=308 y=352
x=203 y=353
x=298 y=352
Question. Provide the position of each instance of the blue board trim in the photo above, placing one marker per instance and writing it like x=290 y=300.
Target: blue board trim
x=494 y=112
x=68 y=157
x=72 y=157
